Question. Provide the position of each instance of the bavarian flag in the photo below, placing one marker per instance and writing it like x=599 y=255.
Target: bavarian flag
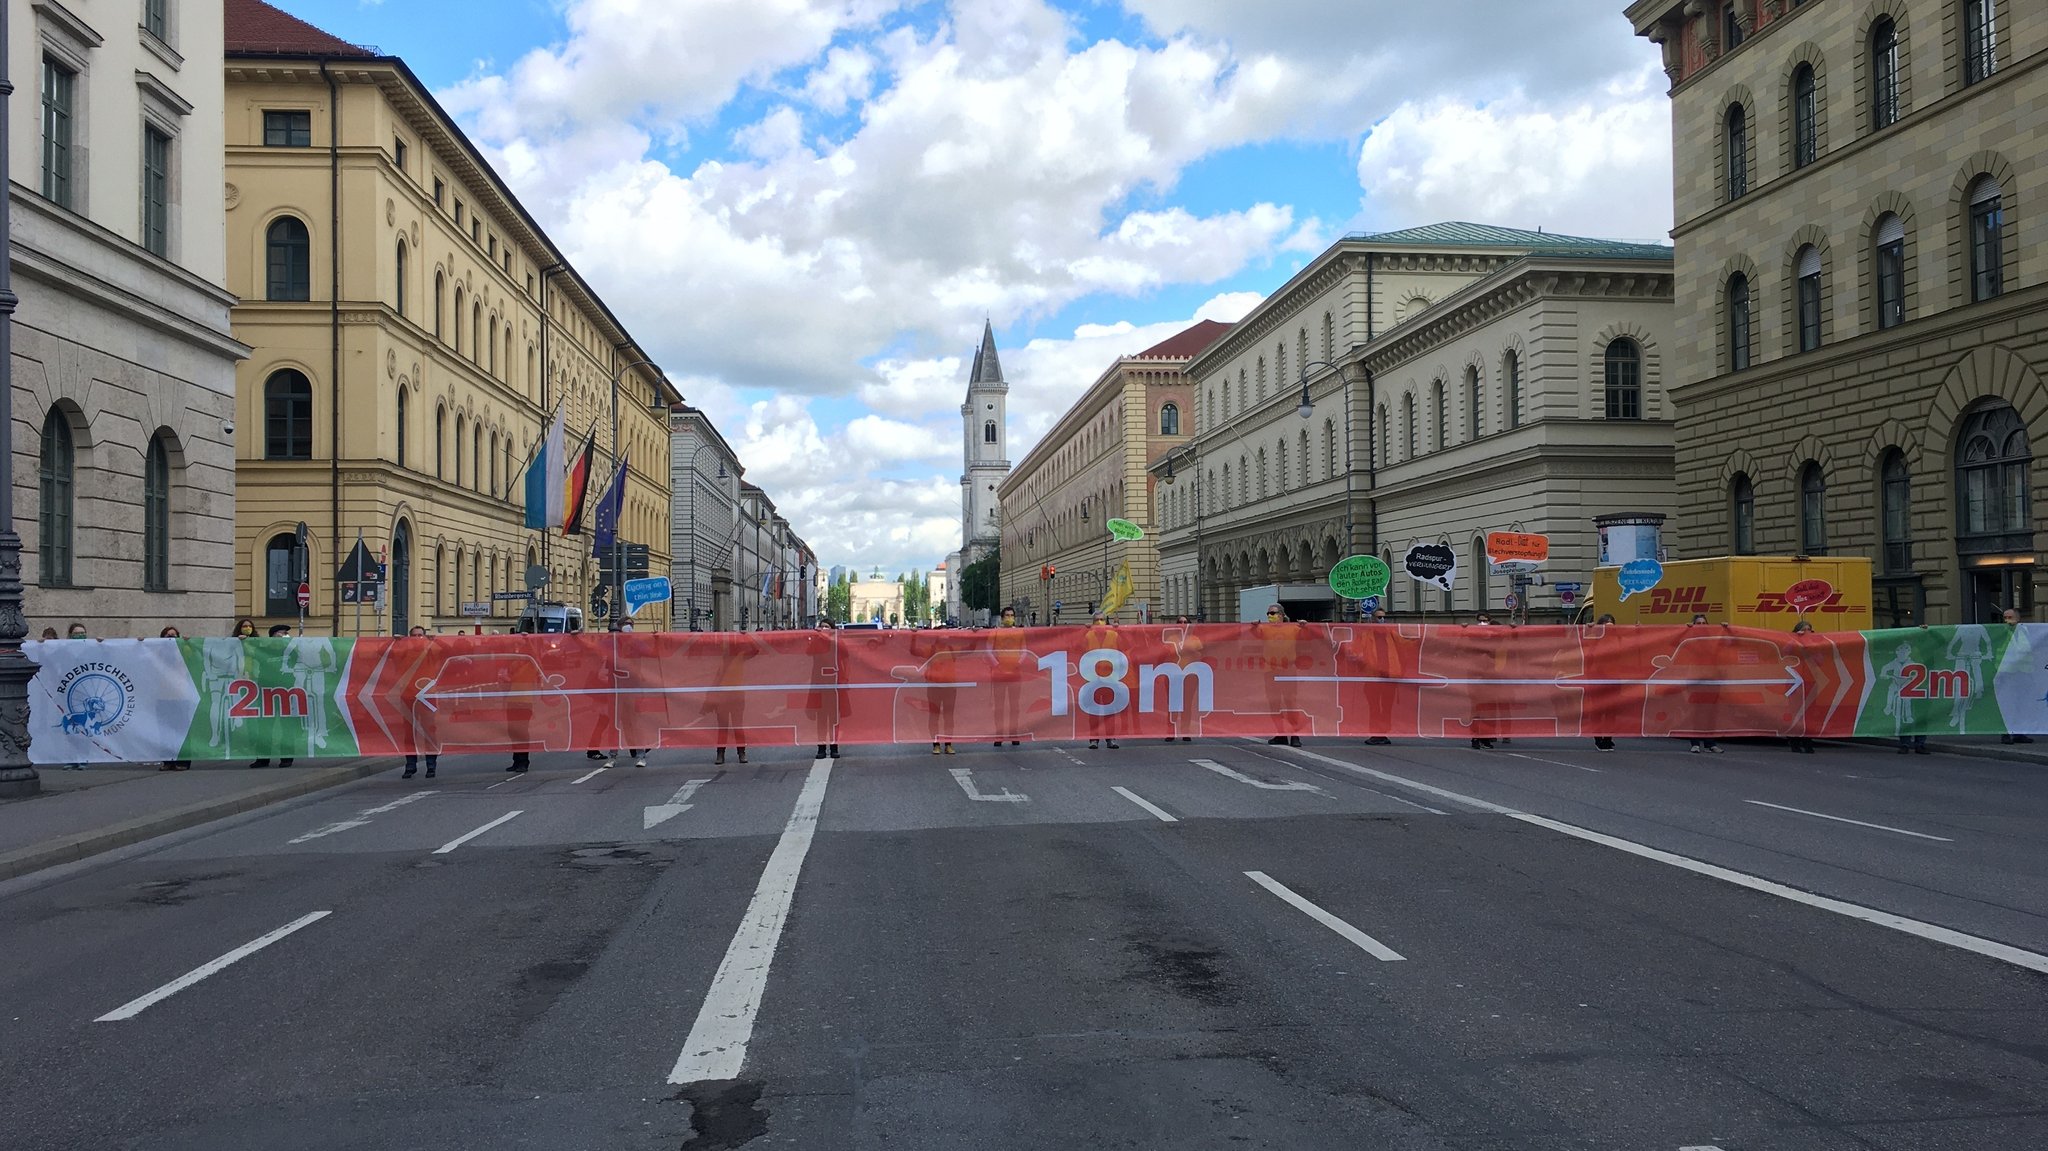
x=576 y=485
x=1119 y=590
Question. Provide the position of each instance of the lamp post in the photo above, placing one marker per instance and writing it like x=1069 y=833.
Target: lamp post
x=1306 y=408
x=618 y=596
x=17 y=776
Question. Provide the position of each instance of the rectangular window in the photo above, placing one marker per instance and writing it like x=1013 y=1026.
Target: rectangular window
x=440 y=190
x=1987 y=248
x=156 y=19
x=156 y=191
x=458 y=213
x=1980 y=40
x=1809 y=312
x=287 y=129
x=476 y=230
x=398 y=152
x=59 y=89
x=1805 y=119
x=1891 y=284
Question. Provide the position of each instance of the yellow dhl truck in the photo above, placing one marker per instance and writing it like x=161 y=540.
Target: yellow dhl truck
x=1747 y=591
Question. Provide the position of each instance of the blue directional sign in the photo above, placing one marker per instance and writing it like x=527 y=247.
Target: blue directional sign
x=641 y=592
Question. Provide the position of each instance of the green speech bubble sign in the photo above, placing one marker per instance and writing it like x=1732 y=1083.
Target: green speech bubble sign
x=1359 y=577
x=1126 y=530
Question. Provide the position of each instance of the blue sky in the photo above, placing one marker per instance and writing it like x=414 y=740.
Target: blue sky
x=805 y=208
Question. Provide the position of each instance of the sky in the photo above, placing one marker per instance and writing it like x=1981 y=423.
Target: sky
x=806 y=209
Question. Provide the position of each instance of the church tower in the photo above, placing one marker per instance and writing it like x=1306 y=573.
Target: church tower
x=985 y=427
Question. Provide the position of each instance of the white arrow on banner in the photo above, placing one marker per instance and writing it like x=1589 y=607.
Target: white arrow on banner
x=1791 y=681
x=679 y=803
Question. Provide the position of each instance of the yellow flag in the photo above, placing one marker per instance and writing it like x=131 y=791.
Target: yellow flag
x=1119 y=590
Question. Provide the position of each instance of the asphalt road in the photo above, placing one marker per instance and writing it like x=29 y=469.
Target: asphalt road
x=1195 y=945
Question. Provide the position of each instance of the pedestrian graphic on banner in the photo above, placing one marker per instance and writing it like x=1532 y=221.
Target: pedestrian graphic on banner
x=310 y=660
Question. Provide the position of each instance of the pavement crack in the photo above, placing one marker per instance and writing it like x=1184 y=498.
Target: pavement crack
x=724 y=1114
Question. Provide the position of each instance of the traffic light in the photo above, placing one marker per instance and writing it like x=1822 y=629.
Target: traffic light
x=1047 y=572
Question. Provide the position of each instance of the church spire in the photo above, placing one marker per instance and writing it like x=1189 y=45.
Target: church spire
x=987 y=369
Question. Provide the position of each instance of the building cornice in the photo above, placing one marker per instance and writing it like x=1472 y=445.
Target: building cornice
x=1518 y=285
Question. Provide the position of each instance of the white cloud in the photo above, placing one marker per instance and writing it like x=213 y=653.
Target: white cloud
x=1596 y=168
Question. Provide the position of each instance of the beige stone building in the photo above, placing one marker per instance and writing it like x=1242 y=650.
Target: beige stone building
x=1459 y=379
x=1862 y=308
x=1092 y=466
x=124 y=362
x=413 y=330
x=876 y=599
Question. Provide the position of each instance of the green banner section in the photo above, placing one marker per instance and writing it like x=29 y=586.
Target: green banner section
x=1939 y=680
x=268 y=698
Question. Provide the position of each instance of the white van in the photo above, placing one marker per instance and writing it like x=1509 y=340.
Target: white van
x=550 y=619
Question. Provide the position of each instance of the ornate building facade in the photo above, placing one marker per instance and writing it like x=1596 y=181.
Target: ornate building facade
x=1862 y=303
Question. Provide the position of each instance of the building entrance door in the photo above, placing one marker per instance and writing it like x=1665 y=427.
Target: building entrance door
x=1988 y=591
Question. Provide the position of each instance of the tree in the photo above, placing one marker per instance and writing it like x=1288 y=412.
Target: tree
x=917 y=597
x=839 y=600
x=981 y=582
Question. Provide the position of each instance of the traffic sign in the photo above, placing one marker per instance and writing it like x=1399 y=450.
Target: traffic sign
x=511 y=595
x=305 y=596
x=1573 y=588
x=1055 y=607
x=476 y=607
x=638 y=593
x=1567 y=598
x=1514 y=601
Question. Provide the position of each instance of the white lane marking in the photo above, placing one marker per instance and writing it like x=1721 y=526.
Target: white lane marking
x=359 y=819
x=1844 y=819
x=452 y=844
x=1700 y=1147
x=1262 y=785
x=1410 y=784
x=134 y=1007
x=591 y=774
x=1402 y=799
x=1989 y=948
x=1981 y=946
x=678 y=803
x=1134 y=797
x=965 y=778
x=504 y=781
x=717 y=1046
x=1557 y=762
x=1371 y=946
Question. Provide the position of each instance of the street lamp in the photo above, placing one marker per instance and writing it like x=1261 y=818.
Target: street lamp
x=618 y=595
x=1306 y=408
x=17 y=776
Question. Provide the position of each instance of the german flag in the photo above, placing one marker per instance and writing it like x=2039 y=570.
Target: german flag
x=576 y=485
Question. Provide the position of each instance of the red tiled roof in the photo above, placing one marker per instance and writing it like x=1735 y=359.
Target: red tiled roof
x=258 y=29
x=1187 y=345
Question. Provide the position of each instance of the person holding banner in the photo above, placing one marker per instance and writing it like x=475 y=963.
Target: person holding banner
x=412 y=760
x=1188 y=650
x=1008 y=646
x=1101 y=637
x=825 y=700
x=1280 y=643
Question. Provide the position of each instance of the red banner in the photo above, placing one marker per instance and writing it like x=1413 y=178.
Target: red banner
x=679 y=689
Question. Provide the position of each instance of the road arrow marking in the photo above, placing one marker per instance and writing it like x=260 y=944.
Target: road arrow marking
x=1262 y=785
x=679 y=803
x=965 y=779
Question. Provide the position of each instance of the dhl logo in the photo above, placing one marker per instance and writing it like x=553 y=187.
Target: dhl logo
x=1679 y=601
x=1768 y=602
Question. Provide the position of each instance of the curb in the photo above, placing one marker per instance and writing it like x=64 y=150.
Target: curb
x=72 y=848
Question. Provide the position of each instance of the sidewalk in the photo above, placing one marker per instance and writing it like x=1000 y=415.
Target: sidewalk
x=83 y=813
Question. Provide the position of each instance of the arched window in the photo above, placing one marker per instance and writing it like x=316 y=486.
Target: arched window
x=1280 y=465
x=1329 y=335
x=1408 y=425
x=476 y=328
x=1474 y=403
x=507 y=473
x=1440 y=415
x=54 y=472
x=458 y=320
x=1884 y=74
x=1481 y=594
x=476 y=456
x=461 y=433
x=440 y=575
x=1386 y=436
x=1742 y=515
x=290 y=250
x=440 y=441
x=1330 y=446
x=1512 y=375
x=1987 y=238
x=287 y=416
x=1262 y=474
x=281 y=575
x=988 y=431
x=1738 y=322
x=1805 y=116
x=1889 y=243
x=494 y=462
x=1980 y=39
x=1169 y=420
x=439 y=287
x=156 y=515
x=1624 y=380
x=1244 y=480
x=1813 y=510
x=1992 y=475
x=491 y=348
x=1736 y=139
x=1304 y=455
x=398 y=284
x=402 y=425
x=1807 y=288
x=1895 y=500
x=1259 y=380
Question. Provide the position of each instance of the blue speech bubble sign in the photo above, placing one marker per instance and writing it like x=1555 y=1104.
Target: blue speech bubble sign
x=1638 y=576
